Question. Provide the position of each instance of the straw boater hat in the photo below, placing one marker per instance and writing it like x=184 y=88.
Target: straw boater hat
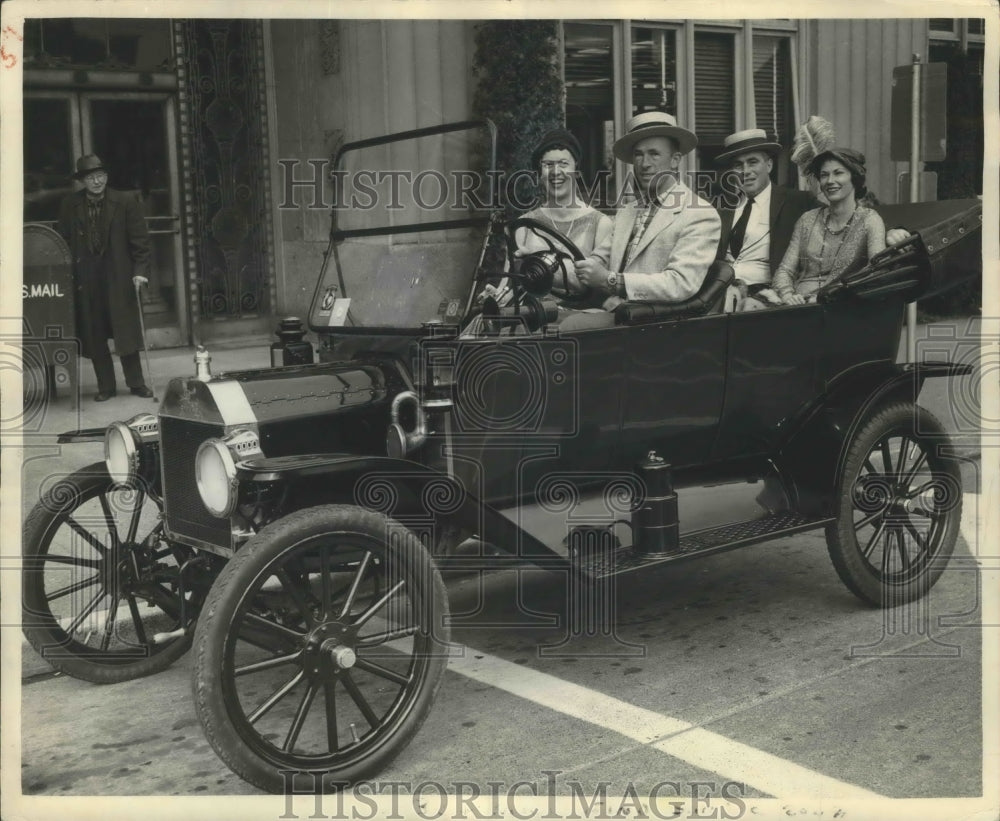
x=653 y=124
x=751 y=139
x=87 y=164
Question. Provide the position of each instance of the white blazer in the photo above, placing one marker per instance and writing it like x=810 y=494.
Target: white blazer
x=676 y=251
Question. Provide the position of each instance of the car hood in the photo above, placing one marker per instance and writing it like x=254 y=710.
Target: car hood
x=277 y=394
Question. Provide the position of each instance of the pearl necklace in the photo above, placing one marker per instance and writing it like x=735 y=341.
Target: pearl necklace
x=828 y=231
x=835 y=231
x=555 y=224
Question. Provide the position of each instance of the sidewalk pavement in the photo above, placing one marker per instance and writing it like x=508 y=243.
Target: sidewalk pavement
x=58 y=416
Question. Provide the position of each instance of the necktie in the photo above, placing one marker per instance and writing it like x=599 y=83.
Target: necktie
x=639 y=227
x=740 y=230
x=94 y=225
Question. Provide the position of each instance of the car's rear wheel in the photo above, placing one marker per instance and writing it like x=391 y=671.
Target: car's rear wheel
x=899 y=507
x=320 y=649
x=101 y=596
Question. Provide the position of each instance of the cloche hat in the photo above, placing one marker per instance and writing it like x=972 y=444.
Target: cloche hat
x=556 y=138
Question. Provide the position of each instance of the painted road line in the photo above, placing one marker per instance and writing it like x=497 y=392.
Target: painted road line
x=974 y=520
x=680 y=739
x=768 y=773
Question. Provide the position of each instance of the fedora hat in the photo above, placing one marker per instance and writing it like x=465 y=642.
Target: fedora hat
x=87 y=164
x=653 y=124
x=750 y=139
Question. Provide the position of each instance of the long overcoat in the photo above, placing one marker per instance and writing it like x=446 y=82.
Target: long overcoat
x=126 y=254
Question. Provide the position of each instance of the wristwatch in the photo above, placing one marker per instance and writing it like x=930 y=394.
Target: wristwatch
x=613 y=281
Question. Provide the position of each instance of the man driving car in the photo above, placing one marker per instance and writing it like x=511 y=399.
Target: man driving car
x=663 y=243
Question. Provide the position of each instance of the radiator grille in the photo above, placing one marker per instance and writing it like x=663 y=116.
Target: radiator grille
x=186 y=515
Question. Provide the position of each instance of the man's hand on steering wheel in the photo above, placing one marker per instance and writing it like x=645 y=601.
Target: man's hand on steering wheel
x=593 y=274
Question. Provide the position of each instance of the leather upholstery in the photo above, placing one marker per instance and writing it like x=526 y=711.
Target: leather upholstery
x=708 y=300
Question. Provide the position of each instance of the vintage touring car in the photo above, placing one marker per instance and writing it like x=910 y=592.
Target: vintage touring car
x=292 y=523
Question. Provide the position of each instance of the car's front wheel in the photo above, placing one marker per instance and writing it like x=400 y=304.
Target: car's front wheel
x=102 y=594
x=899 y=506
x=320 y=649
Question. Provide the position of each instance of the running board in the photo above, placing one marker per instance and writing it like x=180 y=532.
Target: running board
x=596 y=564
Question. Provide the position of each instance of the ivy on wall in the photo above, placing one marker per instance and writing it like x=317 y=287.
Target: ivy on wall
x=516 y=64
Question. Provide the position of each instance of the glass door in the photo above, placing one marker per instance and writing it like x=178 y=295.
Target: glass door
x=133 y=133
x=52 y=142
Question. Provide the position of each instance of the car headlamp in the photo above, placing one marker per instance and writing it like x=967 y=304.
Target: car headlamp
x=126 y=454
x=215 y=470
x=121 y=453
x=215 y=475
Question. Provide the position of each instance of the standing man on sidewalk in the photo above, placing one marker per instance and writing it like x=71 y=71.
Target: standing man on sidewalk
x=107 y=236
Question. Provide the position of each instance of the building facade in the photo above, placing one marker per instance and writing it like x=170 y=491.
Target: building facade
x=225 y=128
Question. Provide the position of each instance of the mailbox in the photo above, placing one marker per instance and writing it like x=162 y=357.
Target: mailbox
x=50 y=343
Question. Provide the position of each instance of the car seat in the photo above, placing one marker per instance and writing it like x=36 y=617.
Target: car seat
x=708 y=300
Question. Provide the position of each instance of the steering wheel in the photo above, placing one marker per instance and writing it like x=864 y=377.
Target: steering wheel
x=542 y=267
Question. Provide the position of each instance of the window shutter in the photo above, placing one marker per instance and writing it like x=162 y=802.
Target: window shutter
x=977 y=25
x=588 y=67
x=654 y=70
x=942 y=24
x=590 y=101
x=772 y=87
x=714 y=87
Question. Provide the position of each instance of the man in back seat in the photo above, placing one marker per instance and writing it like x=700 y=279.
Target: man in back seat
x=663 y=243
x=758 y=231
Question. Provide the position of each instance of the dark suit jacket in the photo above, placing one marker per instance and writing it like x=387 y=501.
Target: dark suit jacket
x=787 y=205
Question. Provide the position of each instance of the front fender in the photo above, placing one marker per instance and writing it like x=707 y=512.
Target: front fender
x=72 y=437
x=422 y=498
x=811 y=455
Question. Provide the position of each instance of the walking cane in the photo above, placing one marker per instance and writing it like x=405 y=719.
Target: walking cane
x=139 y=281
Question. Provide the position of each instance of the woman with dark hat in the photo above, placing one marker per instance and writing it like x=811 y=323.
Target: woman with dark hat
x=835 y=239
x=556 y=157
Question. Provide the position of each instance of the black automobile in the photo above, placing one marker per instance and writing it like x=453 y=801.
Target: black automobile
x=292 y=523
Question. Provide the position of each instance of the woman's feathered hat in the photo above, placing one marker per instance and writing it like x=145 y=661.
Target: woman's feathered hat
x=853 y=161
x=814 y=136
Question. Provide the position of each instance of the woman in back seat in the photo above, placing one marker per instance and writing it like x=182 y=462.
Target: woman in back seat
x=835 y=239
